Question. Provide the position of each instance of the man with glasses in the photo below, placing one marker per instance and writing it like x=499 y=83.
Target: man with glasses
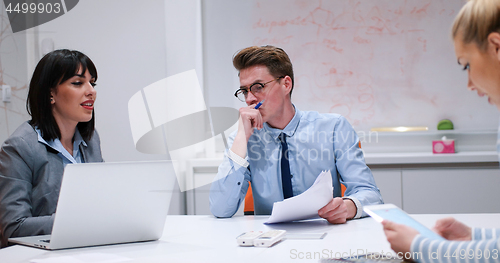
x=281 y=150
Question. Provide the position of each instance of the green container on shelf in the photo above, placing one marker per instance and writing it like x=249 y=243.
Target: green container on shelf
x=445 y=125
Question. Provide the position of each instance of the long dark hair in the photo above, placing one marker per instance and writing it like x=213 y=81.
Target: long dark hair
x=53 y=69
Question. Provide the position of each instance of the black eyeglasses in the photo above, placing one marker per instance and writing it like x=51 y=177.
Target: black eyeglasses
x=255 y=89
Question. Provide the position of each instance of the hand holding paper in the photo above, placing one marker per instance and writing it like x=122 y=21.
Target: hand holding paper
x=338 y=210
x=305 y=205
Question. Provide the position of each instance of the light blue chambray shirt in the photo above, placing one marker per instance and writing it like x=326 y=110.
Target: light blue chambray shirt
x=63 y=153
x=316 y=142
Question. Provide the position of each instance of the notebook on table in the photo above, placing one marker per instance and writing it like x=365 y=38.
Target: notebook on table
x=109 y=203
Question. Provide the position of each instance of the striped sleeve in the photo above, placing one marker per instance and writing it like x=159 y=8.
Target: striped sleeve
x=485 y=233
x=483 y=250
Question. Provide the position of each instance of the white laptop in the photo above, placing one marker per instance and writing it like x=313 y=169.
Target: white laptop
x=109 y=203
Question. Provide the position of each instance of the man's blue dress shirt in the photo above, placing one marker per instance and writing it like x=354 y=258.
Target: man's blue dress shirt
x=316 y=142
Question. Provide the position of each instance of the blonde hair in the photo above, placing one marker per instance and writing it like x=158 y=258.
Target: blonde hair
x=476 y=20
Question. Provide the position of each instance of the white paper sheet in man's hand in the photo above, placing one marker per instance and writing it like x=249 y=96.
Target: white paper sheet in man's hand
x=305 y=205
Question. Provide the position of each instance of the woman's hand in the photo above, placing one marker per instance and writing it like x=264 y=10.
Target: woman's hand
x=452 y=229
x=399 y=236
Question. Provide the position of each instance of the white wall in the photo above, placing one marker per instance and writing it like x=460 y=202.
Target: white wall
x=13 y=72
x=126 y=41
x=377 y=62
x=135 y=43
x=129 y=42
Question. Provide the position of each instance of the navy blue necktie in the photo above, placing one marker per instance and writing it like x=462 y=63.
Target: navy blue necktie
x=286 y=179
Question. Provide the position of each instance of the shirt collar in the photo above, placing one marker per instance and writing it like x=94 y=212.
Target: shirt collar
x=290 y=128
x=78 y=139
x=56 y=143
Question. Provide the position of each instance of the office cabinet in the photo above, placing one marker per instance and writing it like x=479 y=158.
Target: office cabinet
x=418 y=188
x=389 y=183
x=451 y=190
x=201 y=203
x=387 y=180
x=200 y=195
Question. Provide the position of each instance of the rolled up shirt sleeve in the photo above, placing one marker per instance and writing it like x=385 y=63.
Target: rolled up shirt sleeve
x=229 y=187
x=354 y=173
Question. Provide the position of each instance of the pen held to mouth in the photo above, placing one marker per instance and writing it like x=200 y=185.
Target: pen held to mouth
x=259 y=104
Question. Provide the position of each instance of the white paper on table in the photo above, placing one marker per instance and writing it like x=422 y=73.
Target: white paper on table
x=84 y=258
x=305 y=205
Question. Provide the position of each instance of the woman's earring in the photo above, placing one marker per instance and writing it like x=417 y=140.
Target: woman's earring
x=51 y=100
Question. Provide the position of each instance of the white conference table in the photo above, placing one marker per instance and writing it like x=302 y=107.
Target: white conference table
x=208 y=239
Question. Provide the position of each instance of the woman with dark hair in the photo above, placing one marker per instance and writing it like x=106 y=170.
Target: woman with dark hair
x=61 y=130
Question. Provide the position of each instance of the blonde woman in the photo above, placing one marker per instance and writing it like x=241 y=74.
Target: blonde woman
x=476 y=36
